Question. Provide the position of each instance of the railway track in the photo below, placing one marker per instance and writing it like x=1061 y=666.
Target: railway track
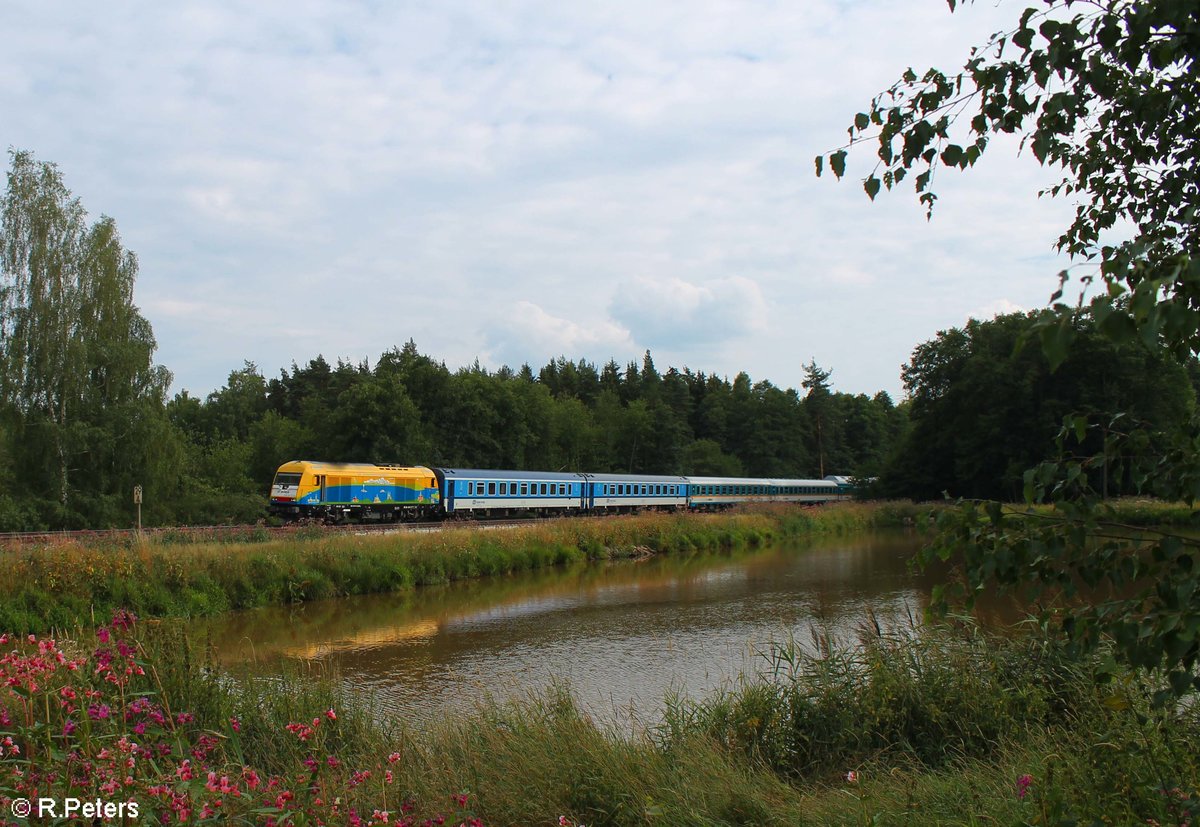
x=232 y=533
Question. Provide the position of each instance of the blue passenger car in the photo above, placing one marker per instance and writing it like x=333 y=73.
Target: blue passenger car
x=635 y=492
x=478 y=492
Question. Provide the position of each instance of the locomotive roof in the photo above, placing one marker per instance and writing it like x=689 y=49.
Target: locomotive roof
x=359 y=467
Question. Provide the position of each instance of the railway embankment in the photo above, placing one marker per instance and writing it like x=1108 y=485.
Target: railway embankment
x=67 y=582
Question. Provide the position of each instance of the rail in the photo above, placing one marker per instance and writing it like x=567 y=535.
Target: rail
x=184 y=535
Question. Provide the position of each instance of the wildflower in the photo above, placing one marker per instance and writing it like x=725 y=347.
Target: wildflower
x=393 y=758
x=123 y=619
x=852 y=777
x=235 y=724
x=1023 y=785
x=331 y=715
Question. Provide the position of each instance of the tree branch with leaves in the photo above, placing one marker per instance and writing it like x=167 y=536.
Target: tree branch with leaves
x=1108 y=92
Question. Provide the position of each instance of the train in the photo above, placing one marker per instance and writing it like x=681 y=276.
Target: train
x=341 y=492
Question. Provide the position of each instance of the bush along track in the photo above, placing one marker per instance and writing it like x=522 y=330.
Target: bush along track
x=61 y=585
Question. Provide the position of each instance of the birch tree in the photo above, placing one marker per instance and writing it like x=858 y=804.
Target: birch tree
x=77 y=379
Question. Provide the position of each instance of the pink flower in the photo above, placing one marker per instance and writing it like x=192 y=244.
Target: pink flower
x=852 y=777
x=331 y=715
x=1023 y=785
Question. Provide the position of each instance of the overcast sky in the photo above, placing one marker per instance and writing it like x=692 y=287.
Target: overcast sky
x=515 y=181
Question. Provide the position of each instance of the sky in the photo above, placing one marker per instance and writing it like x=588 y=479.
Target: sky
x=518 y=181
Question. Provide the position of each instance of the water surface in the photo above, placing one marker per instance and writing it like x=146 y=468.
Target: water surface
x=622 y=635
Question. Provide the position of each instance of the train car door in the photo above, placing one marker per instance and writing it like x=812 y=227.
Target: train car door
x=321 y=486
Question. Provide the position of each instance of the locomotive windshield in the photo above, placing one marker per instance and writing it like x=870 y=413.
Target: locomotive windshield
x=287 y=479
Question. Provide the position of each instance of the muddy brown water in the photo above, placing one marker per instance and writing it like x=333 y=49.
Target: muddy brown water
x=621 y=635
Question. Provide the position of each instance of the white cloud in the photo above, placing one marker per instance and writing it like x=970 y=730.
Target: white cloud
x=675 y=314
x=526 y=332
x=996 y=308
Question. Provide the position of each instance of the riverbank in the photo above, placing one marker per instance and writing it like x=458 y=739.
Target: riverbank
x=954 y=726
x=62 y=585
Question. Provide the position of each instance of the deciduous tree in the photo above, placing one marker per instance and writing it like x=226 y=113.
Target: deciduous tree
x=1108 y=92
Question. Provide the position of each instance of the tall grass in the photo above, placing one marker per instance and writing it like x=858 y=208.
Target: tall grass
x=937 y=728
x=66 y=583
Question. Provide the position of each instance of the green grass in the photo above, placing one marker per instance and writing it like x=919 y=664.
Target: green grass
x=938 y=727
x=66 y=583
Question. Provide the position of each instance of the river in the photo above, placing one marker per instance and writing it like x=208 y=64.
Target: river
x=621 y=635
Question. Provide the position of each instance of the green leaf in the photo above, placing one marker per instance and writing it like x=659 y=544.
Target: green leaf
x=820 y=163
x=861 y=121
x=952 y=156
x=837 y=163
x=871 y=185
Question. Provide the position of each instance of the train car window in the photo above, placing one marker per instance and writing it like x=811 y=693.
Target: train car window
x=562 y=488
x=504 y=489
x=524 y=488
x=491 y=489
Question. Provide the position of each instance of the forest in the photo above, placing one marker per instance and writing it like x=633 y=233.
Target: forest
x=85 y=413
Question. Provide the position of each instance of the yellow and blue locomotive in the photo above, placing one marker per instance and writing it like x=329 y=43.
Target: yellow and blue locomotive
x=338 y=491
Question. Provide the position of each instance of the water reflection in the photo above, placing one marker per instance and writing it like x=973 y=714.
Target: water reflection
x=621 y=634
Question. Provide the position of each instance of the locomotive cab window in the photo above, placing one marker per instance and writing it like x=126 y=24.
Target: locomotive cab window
x=287 y=479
